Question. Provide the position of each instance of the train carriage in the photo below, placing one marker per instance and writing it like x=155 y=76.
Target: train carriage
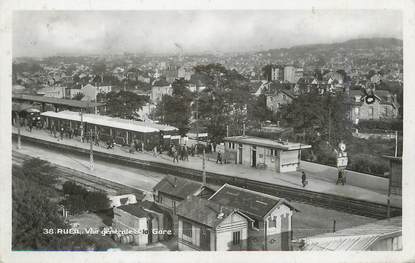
x=123 y=132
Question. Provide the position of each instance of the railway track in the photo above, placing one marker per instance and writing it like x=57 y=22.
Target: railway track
x=88 y=181
x=330 y=201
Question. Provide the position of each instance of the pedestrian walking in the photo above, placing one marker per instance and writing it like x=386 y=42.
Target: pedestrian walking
x=219 y=157
x=175 y=154
x=304 y=179
x=155 y=151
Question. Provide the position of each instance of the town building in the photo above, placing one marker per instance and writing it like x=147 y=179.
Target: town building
x=185 y=73
x=281 y=156
x=135 y=220
x=209 y=226
x=270 y=227
x=277 y=73
x=384 y=106
x=52 y=92
x=383 y=235
x=289 y=74
x=172 y=190
x=278 y=95
x=157 y=93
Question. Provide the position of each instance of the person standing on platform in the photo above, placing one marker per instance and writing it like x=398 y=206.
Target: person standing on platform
x=219 y=157
x=340 y=178
x=304 y=179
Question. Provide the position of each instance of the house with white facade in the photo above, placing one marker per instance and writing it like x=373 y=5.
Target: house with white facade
x=208 y=226
x=270 y=217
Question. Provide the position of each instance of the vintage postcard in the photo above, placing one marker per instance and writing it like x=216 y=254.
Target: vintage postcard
x=172 y=132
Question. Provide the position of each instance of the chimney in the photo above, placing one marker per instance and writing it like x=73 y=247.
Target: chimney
x=221 y=214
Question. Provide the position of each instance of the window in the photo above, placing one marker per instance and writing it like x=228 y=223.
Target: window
x=236 y=238
x=272 y=222
x=256 y=224
x=272 y=152
x=187 y=229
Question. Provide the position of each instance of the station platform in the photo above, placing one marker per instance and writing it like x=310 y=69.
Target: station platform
x=321 y=178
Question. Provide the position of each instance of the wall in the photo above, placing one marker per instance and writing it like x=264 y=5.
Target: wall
x=282 y=230
x=123 y=221
x=388 y=244
x=224 y=233
x=190 y=243
x=277 y=160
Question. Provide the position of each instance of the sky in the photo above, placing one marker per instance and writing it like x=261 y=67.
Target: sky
x=48 y=33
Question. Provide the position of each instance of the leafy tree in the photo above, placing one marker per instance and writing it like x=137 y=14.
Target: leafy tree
x=175 y=110
x=32 y=210
x=96 y=201
x=75 y=203
x=124 y=104
x=224 y=100
x=39 y=171
x=321 y=117
x=258 y=111
x=266 y=72
x=71 y=188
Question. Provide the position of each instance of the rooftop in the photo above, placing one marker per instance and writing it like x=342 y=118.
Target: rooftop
x=57 y=101
x=102 y=120
x=257 y=141
x=177 y=186
x=203 y=211
x=355 y=238
x=252 y=203
x=134 y=209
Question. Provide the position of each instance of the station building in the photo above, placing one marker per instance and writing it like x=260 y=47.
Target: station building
x=264 y=153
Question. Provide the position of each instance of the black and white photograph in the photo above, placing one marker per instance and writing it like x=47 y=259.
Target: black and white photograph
x=164 y=130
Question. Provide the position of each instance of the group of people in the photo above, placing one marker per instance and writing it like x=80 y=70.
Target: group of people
x=179 y=152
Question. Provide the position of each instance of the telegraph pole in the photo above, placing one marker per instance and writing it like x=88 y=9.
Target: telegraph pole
x=82 y=126
x=91 y=152
x=396 y=143
x=204 y=168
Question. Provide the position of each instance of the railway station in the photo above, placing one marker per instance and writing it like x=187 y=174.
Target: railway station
x=264 y=153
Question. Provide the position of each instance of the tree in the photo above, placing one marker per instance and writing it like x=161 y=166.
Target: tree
x=175 y=110
x=267 y=72
x=224 y=100
x=71 y=188
x=124 y=104
x=32 y=210
x=320 y=116
x=96 y=201
x=258 y=111
x=39 y=171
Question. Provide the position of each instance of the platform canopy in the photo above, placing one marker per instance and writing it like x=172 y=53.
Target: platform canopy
x=57 y=101
x=268 y=143
x=102 y=120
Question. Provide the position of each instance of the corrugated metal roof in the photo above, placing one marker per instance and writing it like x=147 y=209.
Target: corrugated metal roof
x=355 y=238
x=102 y=120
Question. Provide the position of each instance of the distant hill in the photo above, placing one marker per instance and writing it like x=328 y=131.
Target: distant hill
x=362 y=50
x=360 y=43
